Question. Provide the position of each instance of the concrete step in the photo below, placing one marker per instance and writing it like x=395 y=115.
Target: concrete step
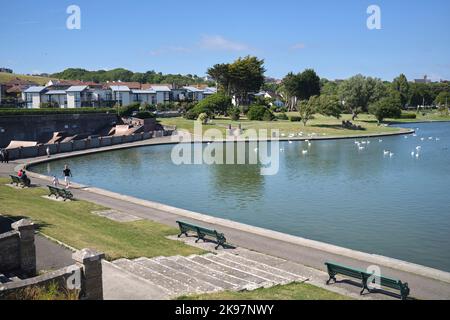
x=206 y=261
x=284 y=265
x=251 y=267
x=213 y=280
x=238 y=283
x=171 y=286
x=194 y=284
x=264 y=267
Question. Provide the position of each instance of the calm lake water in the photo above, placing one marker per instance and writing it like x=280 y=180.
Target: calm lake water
x=395 y=206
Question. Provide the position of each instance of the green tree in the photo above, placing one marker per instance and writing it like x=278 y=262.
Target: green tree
x=301 y=86
x=234 y=113
x=442 y=99
x=401 y=85
x=388 y=107
x=358 y=92
x=259 y=113
x=307 y=108
x=217 y=103
x=330 y=105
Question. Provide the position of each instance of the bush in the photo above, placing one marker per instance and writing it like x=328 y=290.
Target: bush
x=48 y=105
x=256 y=112
x=408 y=115
x=234 y=113
x=282 y=116
x=144 y=115
x=191 y=115
x=48 y=111
x=295 y=118
x=215 y=104
x=127 y=111
x=203 y=118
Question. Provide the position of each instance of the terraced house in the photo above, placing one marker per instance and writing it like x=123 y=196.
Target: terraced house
x=78 y=94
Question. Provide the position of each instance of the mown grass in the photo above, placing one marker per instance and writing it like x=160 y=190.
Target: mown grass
x=320 y=125
x=74 y=224
x=293 y=291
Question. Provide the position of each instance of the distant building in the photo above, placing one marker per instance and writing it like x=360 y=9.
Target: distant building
x=6 y=70
x=424 y=80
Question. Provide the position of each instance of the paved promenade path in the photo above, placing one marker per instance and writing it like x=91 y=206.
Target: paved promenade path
x=425 y=283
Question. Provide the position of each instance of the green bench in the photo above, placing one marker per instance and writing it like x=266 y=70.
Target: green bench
x=58 y=192
x=19 y=181
x=335 y=269
x=202 y=233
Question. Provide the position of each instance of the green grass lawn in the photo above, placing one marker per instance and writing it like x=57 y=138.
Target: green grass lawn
x=293 y=291
x=74 y=224
x=321 y=125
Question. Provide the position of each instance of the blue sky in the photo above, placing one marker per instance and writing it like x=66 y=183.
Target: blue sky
x=190 y=36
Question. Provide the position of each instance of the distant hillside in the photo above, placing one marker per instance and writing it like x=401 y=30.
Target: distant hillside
x=5 y=77
x=128 y=76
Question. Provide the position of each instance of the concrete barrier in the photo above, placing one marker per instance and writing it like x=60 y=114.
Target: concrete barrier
x=147 y=135
x=116 y=139
x=14 y=154
x=79 y=145
x=29 y=152
x=127 y=139
x=65 y=147
x=94 y=142
x=105 y=141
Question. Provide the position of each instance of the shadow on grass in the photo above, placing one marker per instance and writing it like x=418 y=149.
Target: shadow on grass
x=336 y=127
x=6 y=221
x=372 y=291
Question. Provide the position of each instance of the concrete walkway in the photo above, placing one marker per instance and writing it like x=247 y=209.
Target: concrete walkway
x=425 y=283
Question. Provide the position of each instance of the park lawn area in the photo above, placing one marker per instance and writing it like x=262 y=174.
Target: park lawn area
x=293 y=291
x=320 y=125
x=74 y=224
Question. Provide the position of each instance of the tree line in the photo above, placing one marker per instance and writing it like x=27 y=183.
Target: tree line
x=128 y=76
x=308 y=94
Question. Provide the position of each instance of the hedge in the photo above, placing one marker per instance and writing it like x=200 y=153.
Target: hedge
x=295 y=118
x=406 y=115
x=48 y=111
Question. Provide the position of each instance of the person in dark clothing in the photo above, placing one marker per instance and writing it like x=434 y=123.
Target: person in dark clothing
x=67 y=174
x=6 y=155
x=1 y=156
x=25 y=179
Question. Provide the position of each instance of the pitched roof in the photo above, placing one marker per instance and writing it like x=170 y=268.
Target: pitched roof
x=143 y=91
x=17 y=82
x=56 y=92
x=76 y=88
x=131 y=85
x=119 y=88
x=18 y=88
x=151 y=85
x=161 y=88
x=35 y=89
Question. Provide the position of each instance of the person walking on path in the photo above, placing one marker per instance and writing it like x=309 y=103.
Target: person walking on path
x=6 y=155
x=67 y=175
x=2 y=156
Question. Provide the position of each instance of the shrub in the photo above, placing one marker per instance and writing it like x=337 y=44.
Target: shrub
x=191 y=115
x=234 y=113
x=48 y=111
x=215 y=104
x=203 y=117
x=127 y=111
x=260 y=113
x=408 y=115
x=48 y=105
x=144 y=115
x=295 y=118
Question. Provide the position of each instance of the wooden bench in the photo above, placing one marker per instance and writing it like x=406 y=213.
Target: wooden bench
x=19 y=181
x=202 y=233
x=58 y=192
x=335 y=269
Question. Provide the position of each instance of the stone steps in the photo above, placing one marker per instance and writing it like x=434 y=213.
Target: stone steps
x=237 y=270
x=194 y=284
x=211 y=279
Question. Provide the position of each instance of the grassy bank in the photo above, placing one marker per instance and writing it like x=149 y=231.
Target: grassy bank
x=294 y=291
x=74 y=224
x=5 y=77
x=320 y=125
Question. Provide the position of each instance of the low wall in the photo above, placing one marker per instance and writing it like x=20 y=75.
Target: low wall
x=9 y=253
x=17 y=249
x=78 y=145
x=84 y=276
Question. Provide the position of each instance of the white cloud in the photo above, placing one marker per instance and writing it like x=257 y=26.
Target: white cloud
x=298 y=46
x=216 y=42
